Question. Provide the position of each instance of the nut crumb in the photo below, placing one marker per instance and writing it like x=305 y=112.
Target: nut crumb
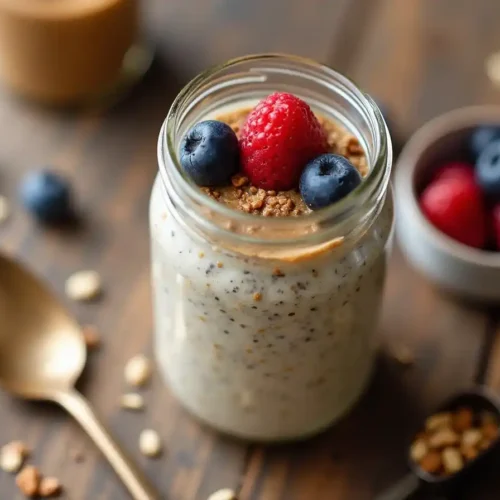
x=132 y=401
x=12 y=456
x=83 y=286
x=452 y=460
x=49 y=487
x=201 y=255
x=223 y=494
x=432 y=462
x=220 y=265
x=91 y=336
x=28 y=481
x=278 y=272
x=257 y=296
x=149 y=443
x=138 y=371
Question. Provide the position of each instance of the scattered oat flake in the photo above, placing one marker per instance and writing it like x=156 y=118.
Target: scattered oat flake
x=132 y=401
x=49 y=487
x=84 y=285
x=149 y=443
x=492 y=65
x=223 y=494
x=12 y=456
x=138 y=370
x=28 y=481
x=91 y=336
x=4 y=209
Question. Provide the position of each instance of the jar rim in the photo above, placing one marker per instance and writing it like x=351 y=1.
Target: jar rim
x=375 y=182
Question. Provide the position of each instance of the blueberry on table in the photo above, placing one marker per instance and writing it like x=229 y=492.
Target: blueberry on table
x=488 y=170
x=327 y=179
x=210 y=153
x=481 y=137
x=46 y=195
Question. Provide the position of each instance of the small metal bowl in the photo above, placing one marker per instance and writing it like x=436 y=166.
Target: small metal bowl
x=463 y=270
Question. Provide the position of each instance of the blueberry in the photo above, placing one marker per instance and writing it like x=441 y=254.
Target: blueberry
x=210 y=153
x=46 y=195
x=488 y=170
x=327 y=179
x=480 y=138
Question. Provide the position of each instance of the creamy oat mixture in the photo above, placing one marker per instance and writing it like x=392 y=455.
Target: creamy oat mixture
x=262 y=348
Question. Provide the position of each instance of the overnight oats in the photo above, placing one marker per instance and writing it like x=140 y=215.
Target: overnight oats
x=270 y=219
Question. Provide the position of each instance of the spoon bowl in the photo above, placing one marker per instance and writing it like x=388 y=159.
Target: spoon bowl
x=42 y=354
x=41 y=347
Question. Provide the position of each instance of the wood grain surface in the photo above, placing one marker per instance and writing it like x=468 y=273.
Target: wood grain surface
x=420 y=58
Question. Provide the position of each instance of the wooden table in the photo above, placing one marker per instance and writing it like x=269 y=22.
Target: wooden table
x=421 y=58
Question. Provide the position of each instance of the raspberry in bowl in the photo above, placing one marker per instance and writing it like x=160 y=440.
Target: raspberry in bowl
x=447 y=187
x=270 y=219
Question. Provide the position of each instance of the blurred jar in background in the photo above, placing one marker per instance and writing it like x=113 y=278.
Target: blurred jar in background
x=66 y=52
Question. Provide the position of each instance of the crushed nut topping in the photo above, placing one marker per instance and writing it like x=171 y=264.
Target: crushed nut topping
x=451 y=439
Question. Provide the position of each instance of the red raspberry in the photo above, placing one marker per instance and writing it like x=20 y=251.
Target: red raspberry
x=495 y=215
x=280 y=136
x=455 y=206
x=454 y=169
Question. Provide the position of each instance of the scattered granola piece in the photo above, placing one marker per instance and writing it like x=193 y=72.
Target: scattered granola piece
x=223 y=494
x=149 y=443
x=28 y=481
x=452 y=460
x=438 y=420
x=138 y=371
x=132 y=401
x=91 y=336
x=257 y=297
x=201 y=255
x=418 y=450
x=12 y=456
x=4 y=209
x=49 y=487
x=471 y=438
x=278 y=272
x=220 y=264
x=432 y=462
x=84 y=286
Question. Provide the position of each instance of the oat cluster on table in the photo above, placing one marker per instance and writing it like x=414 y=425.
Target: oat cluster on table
x=451 y=439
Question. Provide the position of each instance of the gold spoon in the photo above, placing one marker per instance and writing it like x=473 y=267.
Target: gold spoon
x=42 y=354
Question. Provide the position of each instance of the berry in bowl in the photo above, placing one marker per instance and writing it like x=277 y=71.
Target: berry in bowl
x=447 y=187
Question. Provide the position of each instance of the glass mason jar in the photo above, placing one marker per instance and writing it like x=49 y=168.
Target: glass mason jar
x=265 y=328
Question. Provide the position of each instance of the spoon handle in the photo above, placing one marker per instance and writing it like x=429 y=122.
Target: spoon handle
x=402 y=490
x=136 y=483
